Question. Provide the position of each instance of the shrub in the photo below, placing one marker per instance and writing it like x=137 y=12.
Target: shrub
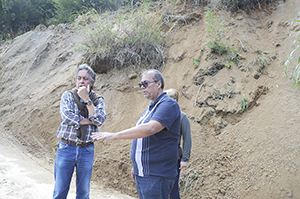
x=215 y=32
x=244 y=104
x=246 y=4
x=133 y=39
x=295 y=54
x=196 y=62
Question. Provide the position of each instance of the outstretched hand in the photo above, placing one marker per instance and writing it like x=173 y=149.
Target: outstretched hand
x=103 y=136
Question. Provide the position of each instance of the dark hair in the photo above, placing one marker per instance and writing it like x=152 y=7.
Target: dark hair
x=88 y=69
x=157 y=76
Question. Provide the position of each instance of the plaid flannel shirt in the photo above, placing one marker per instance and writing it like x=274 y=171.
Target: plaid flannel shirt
x=70 y=118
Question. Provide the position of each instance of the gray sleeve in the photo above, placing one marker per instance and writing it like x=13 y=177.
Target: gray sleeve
x=185 y=130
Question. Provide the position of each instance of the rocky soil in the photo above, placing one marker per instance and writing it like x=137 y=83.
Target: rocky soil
x=244 y=117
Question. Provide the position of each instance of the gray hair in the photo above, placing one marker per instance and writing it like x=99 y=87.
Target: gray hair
x=157 y=76
x=173 y=93
x=88 y=69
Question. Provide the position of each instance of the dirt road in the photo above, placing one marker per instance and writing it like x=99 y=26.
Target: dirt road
x=24 y=177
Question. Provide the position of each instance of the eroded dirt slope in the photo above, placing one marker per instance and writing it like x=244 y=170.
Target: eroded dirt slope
x=236 y=153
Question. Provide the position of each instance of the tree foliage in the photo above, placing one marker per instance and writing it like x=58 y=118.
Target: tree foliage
x=18 y=16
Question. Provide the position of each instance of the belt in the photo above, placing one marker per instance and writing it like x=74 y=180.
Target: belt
x=76 y=143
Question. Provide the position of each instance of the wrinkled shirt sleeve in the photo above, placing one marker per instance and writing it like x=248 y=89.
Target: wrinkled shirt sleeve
x=99 y=113
x=69 y=114
x=186 y=135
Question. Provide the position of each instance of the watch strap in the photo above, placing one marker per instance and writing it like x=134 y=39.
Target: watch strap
x=89 y=102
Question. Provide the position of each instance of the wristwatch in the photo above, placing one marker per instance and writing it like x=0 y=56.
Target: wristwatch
x=89 y=102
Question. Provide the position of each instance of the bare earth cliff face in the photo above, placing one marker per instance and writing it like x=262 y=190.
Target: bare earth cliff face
x=236 y=153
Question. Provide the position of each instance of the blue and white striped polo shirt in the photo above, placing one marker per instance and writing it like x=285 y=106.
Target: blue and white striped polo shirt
x=156 y=155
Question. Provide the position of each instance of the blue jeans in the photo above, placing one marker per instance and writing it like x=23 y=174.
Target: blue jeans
x=67 y=158
x=154 y=187
x=175 y=191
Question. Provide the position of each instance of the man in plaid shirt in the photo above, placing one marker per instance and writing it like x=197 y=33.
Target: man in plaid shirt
x=82 y=112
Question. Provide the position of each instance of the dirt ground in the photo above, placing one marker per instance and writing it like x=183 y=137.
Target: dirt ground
x=236 y=153
x=24 y=176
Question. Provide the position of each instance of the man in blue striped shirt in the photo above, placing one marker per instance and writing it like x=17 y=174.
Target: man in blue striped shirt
x=155 y=140
x=82 y=111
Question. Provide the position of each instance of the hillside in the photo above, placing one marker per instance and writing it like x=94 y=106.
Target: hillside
x=236 y=153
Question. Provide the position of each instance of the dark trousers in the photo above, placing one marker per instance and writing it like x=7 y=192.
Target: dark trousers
x=175 y=191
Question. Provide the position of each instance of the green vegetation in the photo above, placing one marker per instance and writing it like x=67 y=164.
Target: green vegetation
x=190 y=180
x=228 y=65
x=19 y=16
x=205 y=71
x=186 y=73
x=118 y=42
x=246 y=4
x=244 y=104
x=233 y=56
x=215 y=29
x=262 y=63
x=196 y=62
x=68 y=10
x=114 y=39
x=215 y=32
x=295 y=54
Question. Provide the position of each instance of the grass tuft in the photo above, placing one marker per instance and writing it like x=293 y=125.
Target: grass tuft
x=115 y=41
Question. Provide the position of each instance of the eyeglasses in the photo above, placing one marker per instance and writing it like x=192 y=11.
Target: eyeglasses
x=146 y=83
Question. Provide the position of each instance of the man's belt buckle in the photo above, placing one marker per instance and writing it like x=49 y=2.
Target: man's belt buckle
x=78 y=144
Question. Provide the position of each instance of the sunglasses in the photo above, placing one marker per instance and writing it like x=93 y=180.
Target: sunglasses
x=146 y=83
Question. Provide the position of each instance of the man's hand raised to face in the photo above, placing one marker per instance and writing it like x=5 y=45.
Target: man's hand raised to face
x=83 y=92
